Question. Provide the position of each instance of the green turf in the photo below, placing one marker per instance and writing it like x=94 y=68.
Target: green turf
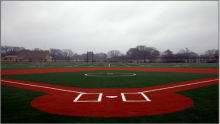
x=140 y=80
x=102 y=65
x=16 y=108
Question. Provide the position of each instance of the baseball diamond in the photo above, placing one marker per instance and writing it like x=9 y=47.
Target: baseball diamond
x=151 y=99
x=109 y=62
x=110 y=102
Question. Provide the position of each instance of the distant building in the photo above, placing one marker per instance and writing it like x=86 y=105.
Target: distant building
x=10 y=57
x=27 y=55
x=34 y=55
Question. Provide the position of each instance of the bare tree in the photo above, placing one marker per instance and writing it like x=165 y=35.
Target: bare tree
x=167 y=56
x=186 y=54
x=217 y=53
x=145 y=53
x=56 y=54
x=105 y=56
x=84 y=56
x=132 y=53
x=77 y=56
x=193 y=56
x=67 y=54
x=7 y=50
x=11 y=50
x=114 y=54
x=3 y=51
x=210 y=53
x=100 y=56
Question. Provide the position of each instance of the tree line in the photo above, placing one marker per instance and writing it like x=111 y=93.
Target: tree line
x=140 y=52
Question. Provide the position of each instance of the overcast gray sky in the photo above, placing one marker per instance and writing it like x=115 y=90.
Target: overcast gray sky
x=101 y=26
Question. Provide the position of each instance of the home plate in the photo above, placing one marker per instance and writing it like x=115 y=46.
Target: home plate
x=111 y=96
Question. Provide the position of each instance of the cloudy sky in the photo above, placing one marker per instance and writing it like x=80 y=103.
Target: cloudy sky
x=101 y=26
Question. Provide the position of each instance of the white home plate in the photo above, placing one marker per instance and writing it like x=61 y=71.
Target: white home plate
x=111 y=96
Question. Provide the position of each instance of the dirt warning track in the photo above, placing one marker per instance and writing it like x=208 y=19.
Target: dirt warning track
x=112 y=102
x=186 y=70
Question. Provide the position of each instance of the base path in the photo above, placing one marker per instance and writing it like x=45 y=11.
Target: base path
x=112 y=102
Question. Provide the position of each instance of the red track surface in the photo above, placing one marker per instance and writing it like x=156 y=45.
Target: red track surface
x=186 y=70
x=97 y=102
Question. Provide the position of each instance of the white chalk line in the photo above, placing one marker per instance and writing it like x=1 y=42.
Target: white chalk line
x=99 y=98
x=125 y=100
x=75 y=100
x=43 y=87
x=101 y=94
x=178 y=86
x=148 y=100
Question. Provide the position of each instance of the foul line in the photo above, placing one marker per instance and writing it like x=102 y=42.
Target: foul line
x=177 y=86
x=101 y=94
x=43 y=87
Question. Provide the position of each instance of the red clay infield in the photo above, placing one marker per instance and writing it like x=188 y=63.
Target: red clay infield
x=114 y=102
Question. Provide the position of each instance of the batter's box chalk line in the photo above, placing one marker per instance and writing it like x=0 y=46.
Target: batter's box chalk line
x=146 y=99
x=79 y=98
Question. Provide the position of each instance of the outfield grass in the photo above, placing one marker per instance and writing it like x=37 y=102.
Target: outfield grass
x=101 y=65
x=140 y=80
x=16 y=108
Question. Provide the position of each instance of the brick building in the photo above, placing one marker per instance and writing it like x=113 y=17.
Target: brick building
x=27 y=55
x=34 y=55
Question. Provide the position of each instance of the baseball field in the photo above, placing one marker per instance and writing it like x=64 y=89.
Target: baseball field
x=110 y=93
